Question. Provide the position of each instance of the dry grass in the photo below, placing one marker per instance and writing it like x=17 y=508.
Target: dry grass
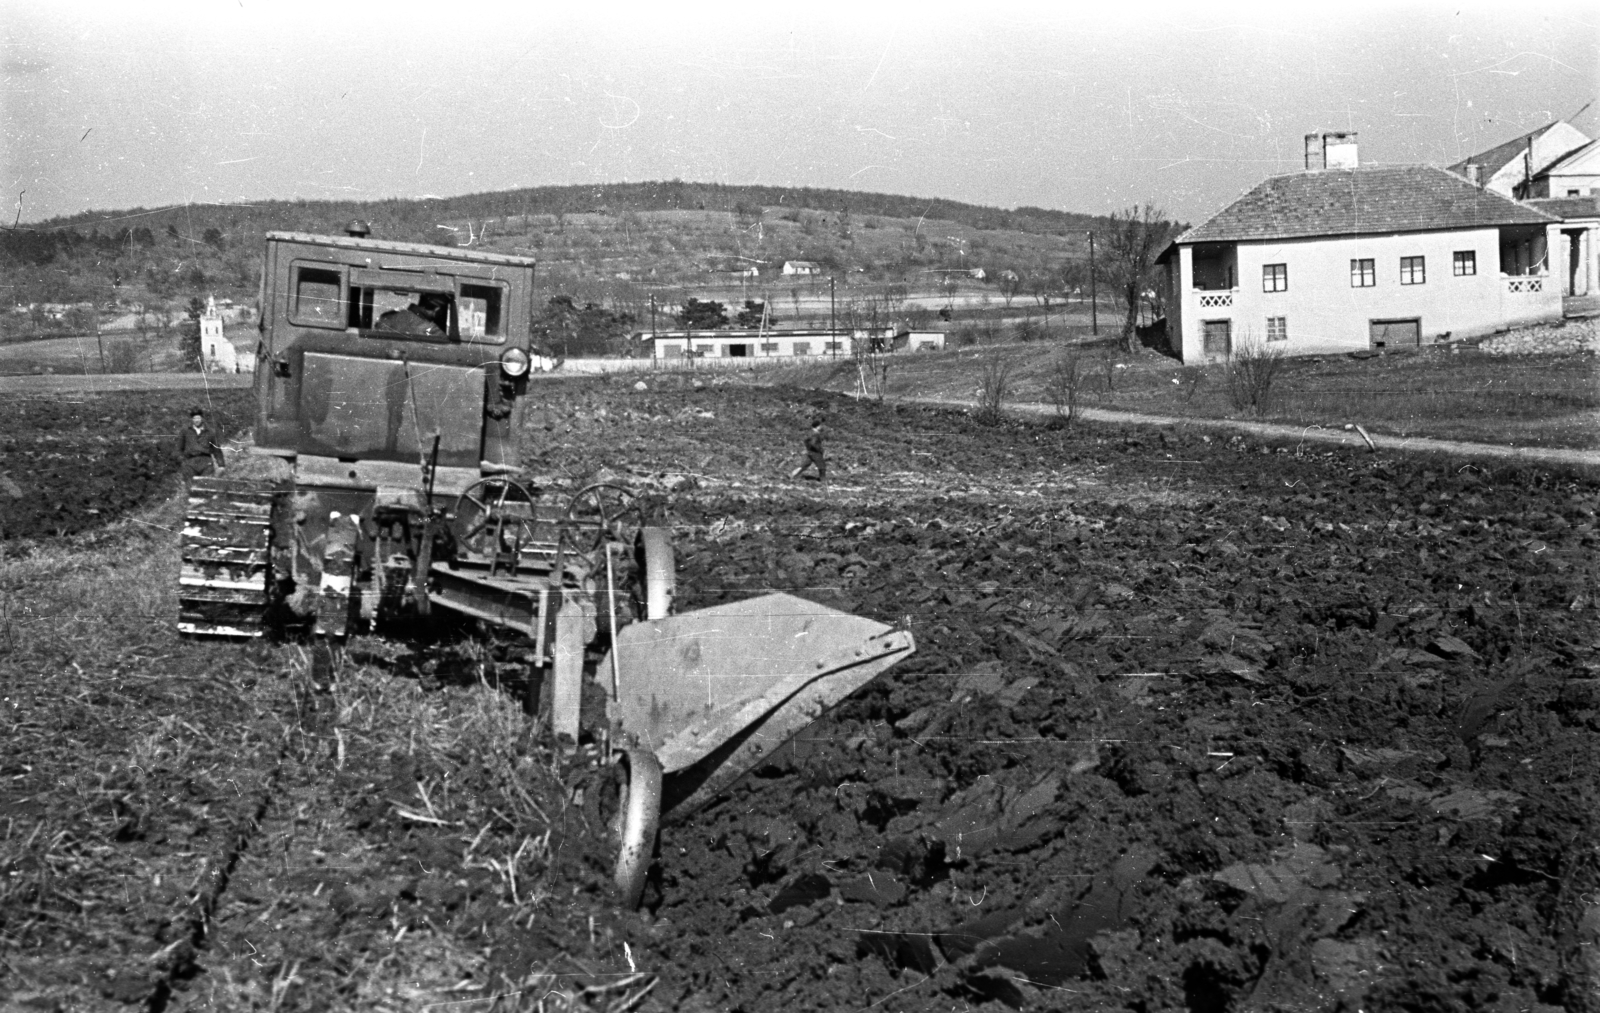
x=1535 y=400
x=120 y=745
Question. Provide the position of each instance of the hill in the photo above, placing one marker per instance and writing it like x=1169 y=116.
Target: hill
x=625 y=247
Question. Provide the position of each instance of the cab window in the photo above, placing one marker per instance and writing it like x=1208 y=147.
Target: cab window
x=420 y=314
x=481 y=309
x=318 y=294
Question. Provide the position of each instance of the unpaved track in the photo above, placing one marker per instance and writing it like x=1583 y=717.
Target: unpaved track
x=1304 y=434
x=100 y=383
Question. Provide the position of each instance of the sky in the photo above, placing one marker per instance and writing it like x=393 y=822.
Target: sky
x=1088 y=108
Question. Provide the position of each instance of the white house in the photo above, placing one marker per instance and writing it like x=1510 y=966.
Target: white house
x=1576 y=174
x=1509 y=168
x=1575 y=259
x=745 y=344
x=801 y=267
x=770 y=344
x=1347 y=258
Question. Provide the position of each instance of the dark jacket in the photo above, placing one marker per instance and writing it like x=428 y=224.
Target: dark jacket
x=202 y=444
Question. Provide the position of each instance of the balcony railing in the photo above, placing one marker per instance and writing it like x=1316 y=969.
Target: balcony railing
x=1523 y=284
x=1215 y=300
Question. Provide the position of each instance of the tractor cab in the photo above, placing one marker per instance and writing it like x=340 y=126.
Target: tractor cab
x=374 y=352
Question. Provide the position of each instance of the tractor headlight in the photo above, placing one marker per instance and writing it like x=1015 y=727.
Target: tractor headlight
x=514 y=362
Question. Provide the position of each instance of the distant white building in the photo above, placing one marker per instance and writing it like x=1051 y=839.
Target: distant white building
x=777 y=344
x=801 y=267
x=217 y=354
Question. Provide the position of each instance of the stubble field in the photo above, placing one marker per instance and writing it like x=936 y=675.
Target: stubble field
x=1194 y=724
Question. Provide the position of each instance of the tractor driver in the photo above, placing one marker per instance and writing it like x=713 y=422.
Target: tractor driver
x=428 y=317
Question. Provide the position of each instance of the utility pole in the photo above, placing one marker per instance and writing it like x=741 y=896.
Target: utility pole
x=1094 y=306
x=94 y=311
x=833 y=322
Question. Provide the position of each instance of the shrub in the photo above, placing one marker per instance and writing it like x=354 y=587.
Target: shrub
x=123 y=357
x=1029 y=330
x=1062 y=383
x=1251 y=370
x=994 y=384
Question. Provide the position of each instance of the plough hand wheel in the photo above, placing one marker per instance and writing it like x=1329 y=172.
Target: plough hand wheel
x=598 y=514
x=494 y=515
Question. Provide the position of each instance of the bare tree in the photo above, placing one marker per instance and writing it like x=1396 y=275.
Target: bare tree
x=1008 y=282
x=1133 y=239
x=1039 y=288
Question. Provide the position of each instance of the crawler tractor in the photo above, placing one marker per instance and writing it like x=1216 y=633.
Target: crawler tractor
x=391 y=380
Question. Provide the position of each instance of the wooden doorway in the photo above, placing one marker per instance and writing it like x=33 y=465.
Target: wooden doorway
x=1218 y=337
x=1395 y=333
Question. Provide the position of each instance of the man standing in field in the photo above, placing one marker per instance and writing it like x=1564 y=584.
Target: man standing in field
x=199 y=450
x=813 y=453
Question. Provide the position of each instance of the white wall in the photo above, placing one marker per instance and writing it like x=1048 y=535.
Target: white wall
x=1325 y=314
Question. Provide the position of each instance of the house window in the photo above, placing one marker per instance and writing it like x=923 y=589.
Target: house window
x=1275 y=277
x=672 y=351
x=1363 y=273
x=1574 y=193
x=1412 y=271
x=832 y=346
x=1277 y=328
x=1465 y=262
x=769 y=346
x=802 y=348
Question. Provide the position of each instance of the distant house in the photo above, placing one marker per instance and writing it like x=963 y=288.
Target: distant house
x=743 y=344
x=978 y=273
x=801 y=267
x=734 y=267
x=732 y=344
x=1339 y=258
x=919 y=341
x=1575 y=174
x=1575 y=259
x=1508 y=168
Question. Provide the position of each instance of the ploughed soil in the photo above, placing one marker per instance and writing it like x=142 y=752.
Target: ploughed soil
x=73 y=461
x=1193 y=724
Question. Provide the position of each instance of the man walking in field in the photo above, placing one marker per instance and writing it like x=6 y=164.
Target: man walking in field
x=199 y=450
x=813 y=454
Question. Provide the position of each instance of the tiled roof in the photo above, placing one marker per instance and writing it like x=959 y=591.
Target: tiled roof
x=1496 y=157
x=1567 y=208
x=1348 y=202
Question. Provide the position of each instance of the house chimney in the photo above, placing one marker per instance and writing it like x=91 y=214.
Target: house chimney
x=1331 y=150
x=1339 y=150
x=1475 y=174
x=1314 y=152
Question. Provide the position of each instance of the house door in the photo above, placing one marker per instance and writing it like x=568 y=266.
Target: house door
x=1395 y=333
x=1576 y=275
x=738 y=351
x=1218 y=337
